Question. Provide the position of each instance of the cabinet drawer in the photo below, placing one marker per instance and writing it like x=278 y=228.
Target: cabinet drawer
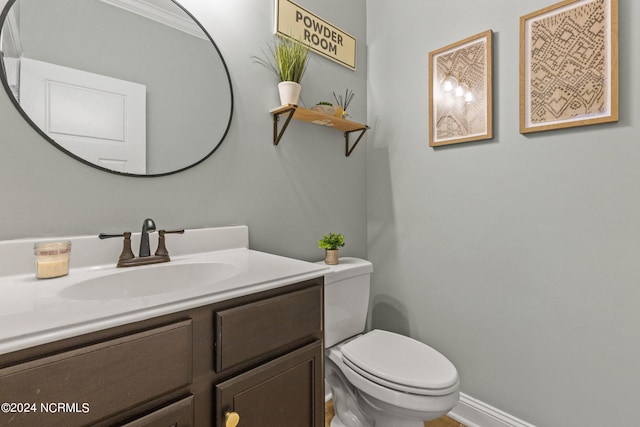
x=100 y=380
x=259 y=330
x=177 y=414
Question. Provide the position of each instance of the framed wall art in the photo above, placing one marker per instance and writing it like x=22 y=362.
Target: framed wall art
x=569 y=65
x=460 y=98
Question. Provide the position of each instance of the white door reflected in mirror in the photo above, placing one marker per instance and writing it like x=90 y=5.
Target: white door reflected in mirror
x=99 y=118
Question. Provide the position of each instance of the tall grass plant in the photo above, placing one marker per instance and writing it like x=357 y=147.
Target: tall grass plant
x=286 y=58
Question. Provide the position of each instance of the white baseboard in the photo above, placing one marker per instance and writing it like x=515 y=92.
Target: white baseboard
x=474 y=413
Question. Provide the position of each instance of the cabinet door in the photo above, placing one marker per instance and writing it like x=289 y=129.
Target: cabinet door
x=287 y=391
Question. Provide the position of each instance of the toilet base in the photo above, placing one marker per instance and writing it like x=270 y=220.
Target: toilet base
x=382 y=415
x=347 y=411
x=335 y=422
x=380 y=418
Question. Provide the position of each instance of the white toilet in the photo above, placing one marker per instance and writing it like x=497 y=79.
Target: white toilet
x=379 y=379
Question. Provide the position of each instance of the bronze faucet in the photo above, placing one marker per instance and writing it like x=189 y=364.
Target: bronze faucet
x=128 y=259
x=148 y=226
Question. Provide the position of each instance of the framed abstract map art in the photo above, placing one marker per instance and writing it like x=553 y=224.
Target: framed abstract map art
x=569 y=65
x=460 y=98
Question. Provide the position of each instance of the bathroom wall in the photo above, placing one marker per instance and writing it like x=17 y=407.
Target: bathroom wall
x=517 y=257
x=288 y=195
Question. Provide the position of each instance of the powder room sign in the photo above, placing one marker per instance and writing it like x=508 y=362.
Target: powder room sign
x=298 y=23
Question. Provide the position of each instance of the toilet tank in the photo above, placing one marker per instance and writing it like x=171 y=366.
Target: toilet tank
x=346 y=299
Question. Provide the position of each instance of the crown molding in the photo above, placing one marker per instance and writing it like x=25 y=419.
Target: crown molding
x=161 y=15
x=11 y=37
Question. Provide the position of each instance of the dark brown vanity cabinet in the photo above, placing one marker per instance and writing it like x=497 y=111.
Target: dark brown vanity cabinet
x=287 y=389
x=257 y=358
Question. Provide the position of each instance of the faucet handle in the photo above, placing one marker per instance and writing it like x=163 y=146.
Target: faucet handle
x=126 y=253
x=103 y=236
x=180 y=231
x=162 y=248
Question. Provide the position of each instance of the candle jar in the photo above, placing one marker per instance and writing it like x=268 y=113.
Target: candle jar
x=52 y=259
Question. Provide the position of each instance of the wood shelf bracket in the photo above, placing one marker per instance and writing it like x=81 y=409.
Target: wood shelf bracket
x=276 y=118
x=347 y=150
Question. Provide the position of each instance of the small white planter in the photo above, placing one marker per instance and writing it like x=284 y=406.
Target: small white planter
x=325 y=109
x=289 y=92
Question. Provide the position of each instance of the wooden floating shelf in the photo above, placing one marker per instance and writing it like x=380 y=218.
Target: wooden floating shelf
x=311 y=116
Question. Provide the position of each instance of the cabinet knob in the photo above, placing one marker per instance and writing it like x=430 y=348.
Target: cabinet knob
x=231 y=419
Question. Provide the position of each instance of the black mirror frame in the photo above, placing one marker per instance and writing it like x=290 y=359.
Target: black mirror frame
x=5 y=84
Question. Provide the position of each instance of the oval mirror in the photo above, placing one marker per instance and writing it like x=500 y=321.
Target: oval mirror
x=133 y=87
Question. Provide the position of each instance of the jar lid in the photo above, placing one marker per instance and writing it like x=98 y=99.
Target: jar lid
x=52 y=248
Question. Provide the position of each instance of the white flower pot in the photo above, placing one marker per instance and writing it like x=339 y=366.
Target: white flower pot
x=325 y=109
x=289 y=92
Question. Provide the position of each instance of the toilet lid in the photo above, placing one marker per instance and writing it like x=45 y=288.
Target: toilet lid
x=401 y=363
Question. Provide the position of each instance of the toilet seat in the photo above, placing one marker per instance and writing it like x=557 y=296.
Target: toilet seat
x=400 y=363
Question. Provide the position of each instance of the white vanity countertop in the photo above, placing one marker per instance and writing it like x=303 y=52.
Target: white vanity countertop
x=34 y=312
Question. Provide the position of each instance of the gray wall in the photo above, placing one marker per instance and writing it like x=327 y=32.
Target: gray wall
x=288 y=195
x=518 y=257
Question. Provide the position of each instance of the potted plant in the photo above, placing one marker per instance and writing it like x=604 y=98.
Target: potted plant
x=287 y=59
x=331 y=244
x=328 y=108
x=324 y=107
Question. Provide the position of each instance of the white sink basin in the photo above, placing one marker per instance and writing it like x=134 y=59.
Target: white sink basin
x=150 y=280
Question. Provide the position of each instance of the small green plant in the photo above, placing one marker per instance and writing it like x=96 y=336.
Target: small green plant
x=331 y=242
x=286 y=58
